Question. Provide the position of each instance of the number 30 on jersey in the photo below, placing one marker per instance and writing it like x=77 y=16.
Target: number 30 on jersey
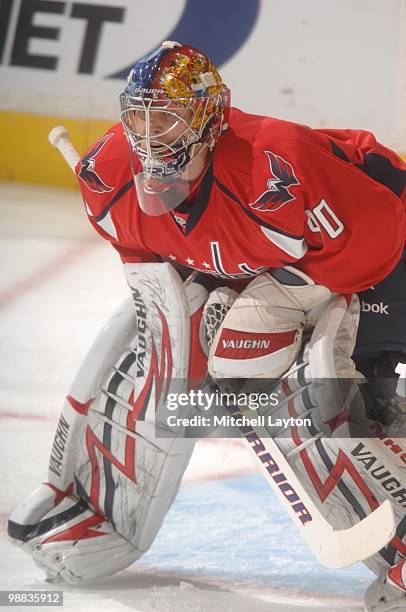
x=322 y=217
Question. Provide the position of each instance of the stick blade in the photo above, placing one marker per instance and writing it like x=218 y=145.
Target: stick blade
x=341 y=548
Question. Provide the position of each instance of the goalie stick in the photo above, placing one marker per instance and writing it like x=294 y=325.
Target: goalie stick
x=59 y=138
x=333 y=548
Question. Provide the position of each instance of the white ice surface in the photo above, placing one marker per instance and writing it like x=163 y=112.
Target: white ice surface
x=238 y=551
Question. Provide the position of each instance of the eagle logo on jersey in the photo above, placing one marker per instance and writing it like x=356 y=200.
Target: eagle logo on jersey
x=87 y=171
x=277 y=193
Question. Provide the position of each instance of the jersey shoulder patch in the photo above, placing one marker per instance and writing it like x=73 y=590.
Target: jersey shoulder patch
x=87 y=171
x=105 y=180
x=281 y=177
x=100 y=167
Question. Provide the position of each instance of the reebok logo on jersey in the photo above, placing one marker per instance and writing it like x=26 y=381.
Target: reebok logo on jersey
x=282 y=177
x=380 y=308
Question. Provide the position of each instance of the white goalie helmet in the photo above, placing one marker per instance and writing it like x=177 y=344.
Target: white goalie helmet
x=173 y=110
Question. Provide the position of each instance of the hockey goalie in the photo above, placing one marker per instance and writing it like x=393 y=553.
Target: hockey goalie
x=115 y=465
x=248 y=245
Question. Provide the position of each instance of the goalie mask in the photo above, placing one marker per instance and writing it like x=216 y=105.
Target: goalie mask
x=173 y=110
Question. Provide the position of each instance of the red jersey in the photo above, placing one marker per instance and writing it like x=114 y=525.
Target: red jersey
x=330 y=202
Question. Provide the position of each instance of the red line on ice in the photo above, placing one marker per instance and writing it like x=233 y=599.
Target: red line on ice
x=219 y=475
x=7 y=414
x=45 y=273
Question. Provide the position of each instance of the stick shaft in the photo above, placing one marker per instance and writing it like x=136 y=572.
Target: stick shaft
x=59 y=138
x=334 y=548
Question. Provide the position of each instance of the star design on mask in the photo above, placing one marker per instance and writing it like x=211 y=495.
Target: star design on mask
x=189 y=261
x=206 y=265
x=173 y=257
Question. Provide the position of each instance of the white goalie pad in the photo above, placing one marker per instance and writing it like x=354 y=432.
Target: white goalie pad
x=345 y=462
x=67 y=539
x=123 y=423
x=115 y=467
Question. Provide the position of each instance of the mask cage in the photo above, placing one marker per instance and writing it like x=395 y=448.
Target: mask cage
x=150 y=122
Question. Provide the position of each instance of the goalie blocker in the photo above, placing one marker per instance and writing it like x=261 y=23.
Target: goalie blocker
x=111 y=480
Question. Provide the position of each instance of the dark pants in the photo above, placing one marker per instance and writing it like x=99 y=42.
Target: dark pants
x=382 y=328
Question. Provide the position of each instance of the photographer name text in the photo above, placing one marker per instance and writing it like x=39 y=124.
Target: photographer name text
x=236 y=421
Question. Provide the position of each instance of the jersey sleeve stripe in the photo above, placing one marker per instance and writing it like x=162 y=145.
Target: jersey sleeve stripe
x=377 y=167
x=106 y=223
x=380 y=169
x=116 y=197
x=294 y=247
